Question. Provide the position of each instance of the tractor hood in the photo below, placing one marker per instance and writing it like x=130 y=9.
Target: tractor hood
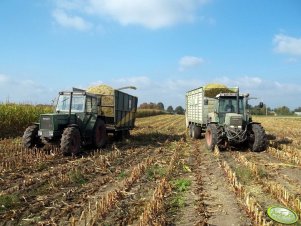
x=234 y=120
x=55 y=121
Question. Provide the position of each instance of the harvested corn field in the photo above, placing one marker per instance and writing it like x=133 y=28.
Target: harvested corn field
x=158 y=176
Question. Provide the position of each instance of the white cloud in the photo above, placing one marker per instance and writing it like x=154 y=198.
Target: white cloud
x=70 y=21
x=28 y=91
x=152 y=14
x=141 y=82
x=273 y=93
x=3 y=78
x=291 y=60
x=287 y=45
x=189 y=62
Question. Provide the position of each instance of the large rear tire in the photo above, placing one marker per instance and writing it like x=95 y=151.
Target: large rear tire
x=257 y=138
x=211 y=136
x=100 y=137
x=30 y=137
x=70 y=141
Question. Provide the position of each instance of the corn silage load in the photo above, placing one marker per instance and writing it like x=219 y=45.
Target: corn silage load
x=105 y=100
x=211 y=90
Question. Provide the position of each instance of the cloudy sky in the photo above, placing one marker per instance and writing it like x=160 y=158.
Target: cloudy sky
x=163 y=47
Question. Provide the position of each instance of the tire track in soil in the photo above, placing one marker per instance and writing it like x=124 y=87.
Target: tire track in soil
x=219 y=200
x=193 y=212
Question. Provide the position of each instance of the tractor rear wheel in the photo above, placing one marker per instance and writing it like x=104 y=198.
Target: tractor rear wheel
x=30 y=137
x=211 y=136
x=100 y=137
x=70 y=141
x=257 y=138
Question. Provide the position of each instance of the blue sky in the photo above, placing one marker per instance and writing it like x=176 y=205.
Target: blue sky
x=163 y=47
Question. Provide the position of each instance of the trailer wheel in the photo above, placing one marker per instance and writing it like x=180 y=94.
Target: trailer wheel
x=257 y=138
x=121 y=134
x=196 y=132
x=30 y=137
x=100 y=137
x=190 y=130
x=211 y=136
x=70 y=141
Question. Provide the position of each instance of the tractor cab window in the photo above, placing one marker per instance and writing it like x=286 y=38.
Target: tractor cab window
x=229 y=105
x=78 y=103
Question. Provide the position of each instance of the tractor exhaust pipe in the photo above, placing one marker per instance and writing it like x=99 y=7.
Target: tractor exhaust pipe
x=237 y=102
x=70 y=107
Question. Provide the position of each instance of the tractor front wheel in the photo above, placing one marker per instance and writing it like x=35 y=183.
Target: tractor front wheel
x=211 y=136
x=30 y=137
x=257 y=138
x=100 y=137
x=70 y=141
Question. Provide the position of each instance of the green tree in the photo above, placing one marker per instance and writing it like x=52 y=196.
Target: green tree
x=170 y=109
x=179 y=110
x=284 y=110
x=298 y=109
x=160 y=106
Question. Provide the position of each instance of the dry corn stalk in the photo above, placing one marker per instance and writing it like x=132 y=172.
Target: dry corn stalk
x=252 y=205
x=104 y=204
x=152 y=212
x=292 y=156
x=277 y=190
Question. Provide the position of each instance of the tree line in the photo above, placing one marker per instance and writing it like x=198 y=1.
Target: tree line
x=160 y=106
x=283 y=110
x=254 y=110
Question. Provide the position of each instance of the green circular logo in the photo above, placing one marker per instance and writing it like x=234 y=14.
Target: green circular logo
x=282 y=215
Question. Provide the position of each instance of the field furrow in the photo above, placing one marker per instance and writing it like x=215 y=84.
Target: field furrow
x=158 y=176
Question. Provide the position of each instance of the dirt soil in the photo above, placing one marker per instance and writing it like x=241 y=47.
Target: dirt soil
x=159 y=176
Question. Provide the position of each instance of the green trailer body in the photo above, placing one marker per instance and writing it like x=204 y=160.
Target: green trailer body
x=122 y=112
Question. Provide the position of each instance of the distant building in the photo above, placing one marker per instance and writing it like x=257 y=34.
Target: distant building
x=298 y=113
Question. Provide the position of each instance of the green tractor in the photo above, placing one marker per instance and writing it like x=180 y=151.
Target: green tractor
x=81 y=118
x=223 y=115
x=231 y=123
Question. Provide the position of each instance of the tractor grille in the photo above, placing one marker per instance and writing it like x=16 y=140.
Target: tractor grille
x=236 y=121
x=46 y=123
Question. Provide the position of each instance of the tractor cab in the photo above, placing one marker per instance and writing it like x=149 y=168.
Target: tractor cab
x=230 y=109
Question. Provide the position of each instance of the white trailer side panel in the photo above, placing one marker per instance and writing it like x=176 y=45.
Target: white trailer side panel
x=195 y=106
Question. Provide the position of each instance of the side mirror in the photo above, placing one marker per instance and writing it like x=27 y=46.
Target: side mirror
x=261 y=105
x=206 y=102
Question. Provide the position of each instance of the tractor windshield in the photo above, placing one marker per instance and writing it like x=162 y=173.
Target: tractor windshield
x=229 y=104
x=78 y=103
